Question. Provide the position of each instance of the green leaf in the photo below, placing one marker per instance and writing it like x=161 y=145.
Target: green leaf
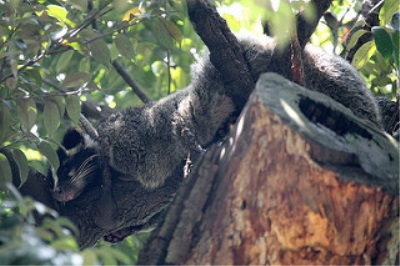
x=63 y=61
x=23 y=165
x=162 y=34
x=51 y=116
x=73 y=107
x=75 y=79
x=233 y=21
x=121 y=256
x=100 y=52
x=173 y=30
x=90 y=257
x=34 y=73
x=354 y=38
x=60 y=102
x=84 y=65
x=92 y=86
x=388 y=9
x=383 y=41
x=78 y=4
x=4 y=121
x=27 y=112
x=124 y=46
x=5 y=171
x=57 y=12
x=66 y=223
x=47 y=151
x=363 y=54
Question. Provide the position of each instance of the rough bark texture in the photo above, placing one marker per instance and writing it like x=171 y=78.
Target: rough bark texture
x=289 y=186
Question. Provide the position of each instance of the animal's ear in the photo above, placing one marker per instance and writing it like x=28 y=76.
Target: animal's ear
x=73 y=138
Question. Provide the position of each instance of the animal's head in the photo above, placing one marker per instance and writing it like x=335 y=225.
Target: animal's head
x=80 y=166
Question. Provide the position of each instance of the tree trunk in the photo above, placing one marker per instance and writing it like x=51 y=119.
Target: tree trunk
x=300 y=180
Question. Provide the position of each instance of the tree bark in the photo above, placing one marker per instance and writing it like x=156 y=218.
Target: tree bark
x=300 y=180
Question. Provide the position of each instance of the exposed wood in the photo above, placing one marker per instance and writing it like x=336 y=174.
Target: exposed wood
x=289 y=186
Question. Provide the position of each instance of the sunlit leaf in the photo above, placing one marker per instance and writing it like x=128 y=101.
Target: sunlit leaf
x=57 y=12
x=233 y=22
x=73 y=107
x=363 y=54
x=354 y=38
x=27 y=112
x=131 y=14
x=388 y=9
x=47 y=151
x=51 y=117
x=22 y=163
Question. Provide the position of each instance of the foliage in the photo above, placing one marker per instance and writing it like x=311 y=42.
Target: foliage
x=378 y=59
x=56 y=55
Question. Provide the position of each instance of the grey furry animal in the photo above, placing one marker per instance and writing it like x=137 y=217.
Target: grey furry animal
x=146 y=144
x=151 y=143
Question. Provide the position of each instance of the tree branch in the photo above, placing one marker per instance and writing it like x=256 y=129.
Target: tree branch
x=225 y=53
x=306 y=28
x=135 y=88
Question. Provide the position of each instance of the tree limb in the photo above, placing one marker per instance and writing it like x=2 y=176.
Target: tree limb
x=225 y=53
x=305 y=28
x=135 y=88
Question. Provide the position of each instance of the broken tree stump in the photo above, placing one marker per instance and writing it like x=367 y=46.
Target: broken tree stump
x=300 y=180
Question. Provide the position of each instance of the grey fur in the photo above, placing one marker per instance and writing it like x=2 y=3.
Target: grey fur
x=147 y=143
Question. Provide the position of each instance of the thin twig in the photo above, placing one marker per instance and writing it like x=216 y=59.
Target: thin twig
x=135 y=88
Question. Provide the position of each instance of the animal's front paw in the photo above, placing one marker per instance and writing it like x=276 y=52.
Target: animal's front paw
x=118 y=236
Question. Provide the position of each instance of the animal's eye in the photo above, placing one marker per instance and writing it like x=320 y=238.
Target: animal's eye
x=72 y=172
